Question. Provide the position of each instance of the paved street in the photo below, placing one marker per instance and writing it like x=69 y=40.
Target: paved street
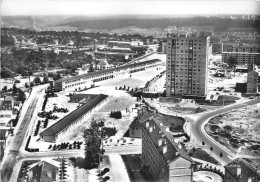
x=198 y=133
x=21 y=131
x=110 y=150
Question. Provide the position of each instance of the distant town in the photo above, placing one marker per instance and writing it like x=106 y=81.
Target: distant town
x=177 y=102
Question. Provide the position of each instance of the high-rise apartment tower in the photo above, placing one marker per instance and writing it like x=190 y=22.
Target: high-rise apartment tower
x=187 y=64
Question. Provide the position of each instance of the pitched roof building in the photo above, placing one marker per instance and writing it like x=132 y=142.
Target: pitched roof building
x=242 y=170
x=64 y=125
x=43 y=171
x=84 y=81
x=164 y=159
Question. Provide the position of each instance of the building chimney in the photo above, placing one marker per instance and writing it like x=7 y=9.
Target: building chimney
x=238 y=170
x=160 y=142
x=150 y=129
x=164 y=149
x=147 y=124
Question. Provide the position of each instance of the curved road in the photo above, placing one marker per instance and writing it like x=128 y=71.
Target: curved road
x=198 y=132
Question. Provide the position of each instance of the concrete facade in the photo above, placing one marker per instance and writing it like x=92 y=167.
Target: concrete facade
x=85 y=81
x=187 y=65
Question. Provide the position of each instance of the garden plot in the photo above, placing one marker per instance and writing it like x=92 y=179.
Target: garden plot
x=238 y=129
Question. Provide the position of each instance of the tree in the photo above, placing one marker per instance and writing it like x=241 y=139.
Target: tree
x=21 y=95
x=232 y=61
x=6 y=73
x=4 y=89
x=91 y=68
x=211 y=149
x=220 y=155
x=37 y=80
x=93 y=137
x=56 y=77
x=45 y=79
x=25 y=73
x=14 y=90
x=31 y=84
x=203 y=143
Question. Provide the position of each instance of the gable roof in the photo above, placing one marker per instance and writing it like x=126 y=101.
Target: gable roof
x=82 y=96
x=159 y=132
x=40 y=169
x=245 y=162
x=70 y=118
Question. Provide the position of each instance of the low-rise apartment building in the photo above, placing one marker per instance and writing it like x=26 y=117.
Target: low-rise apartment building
x=164 y=159
x=84 y=81
x=244 y=53
x=242 y=57
x=242 y=170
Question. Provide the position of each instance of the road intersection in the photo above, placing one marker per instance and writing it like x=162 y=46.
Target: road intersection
x=197 y=123
x=15 y=153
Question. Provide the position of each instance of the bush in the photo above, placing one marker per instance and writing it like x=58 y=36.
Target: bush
x=45 y=101
x=104 y=171
x=45 y=123
x=116 y=114
x=109 y=131
x=106 y=178
x=37 y=128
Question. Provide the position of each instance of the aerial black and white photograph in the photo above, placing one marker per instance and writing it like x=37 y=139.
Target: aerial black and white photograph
x=130 y=91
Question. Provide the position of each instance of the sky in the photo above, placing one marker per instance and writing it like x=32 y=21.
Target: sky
x=127 y=7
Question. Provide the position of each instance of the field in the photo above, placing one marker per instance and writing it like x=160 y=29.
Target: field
x=238 y=129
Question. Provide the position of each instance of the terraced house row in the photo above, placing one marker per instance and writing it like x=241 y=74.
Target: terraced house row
x=84 y=81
